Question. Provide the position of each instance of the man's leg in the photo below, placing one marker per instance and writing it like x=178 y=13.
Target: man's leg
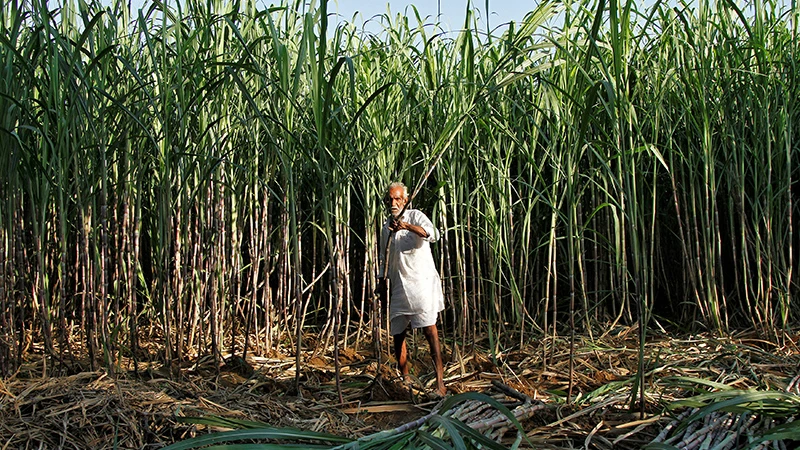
x=401 y=354
x=432 y=335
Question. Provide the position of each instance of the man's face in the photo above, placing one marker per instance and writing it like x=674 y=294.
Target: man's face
x=395 y=200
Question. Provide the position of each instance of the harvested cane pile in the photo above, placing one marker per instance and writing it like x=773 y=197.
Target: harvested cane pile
x=720 y=431
x=760 y=420
x=487 y=419
x=685 y=380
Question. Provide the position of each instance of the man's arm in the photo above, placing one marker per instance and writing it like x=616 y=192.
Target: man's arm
x=416 y=229
x=418 y=224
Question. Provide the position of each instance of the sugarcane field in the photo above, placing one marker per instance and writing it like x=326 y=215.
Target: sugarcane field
x=242 y=225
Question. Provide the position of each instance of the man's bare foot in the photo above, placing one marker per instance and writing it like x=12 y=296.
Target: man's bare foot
x=436 y=394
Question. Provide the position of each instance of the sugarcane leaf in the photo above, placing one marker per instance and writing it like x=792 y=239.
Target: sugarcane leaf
x=432 y=441
x=479 y=438
x=447 y=424
x=216 y=421
x=703 y=400
x=382 y=440
x=267 y=446
x=402 y=441
x=782 y=432
x=687 y=381
x=764 y=402
x=608 y=387
x=261 y=433
x=659 y=446
x=456 y=399
x=246 y=424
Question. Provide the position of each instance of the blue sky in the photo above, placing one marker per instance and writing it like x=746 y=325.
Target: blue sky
x=452 y=11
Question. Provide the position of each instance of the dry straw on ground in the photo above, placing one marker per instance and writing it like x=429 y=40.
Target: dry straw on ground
x=93 y=410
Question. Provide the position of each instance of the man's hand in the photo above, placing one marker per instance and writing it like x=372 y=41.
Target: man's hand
x=397 y=224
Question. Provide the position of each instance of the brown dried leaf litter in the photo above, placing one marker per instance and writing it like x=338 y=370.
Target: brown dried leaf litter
x=93 y=410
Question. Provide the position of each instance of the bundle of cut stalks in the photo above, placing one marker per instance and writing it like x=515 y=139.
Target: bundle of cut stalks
x=720 y=431
x=489 y=420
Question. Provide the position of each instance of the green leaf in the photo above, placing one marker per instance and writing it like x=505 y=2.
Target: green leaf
x=434 y=442
x=684 y=381
x=450 y=429
x=473 y=434
x=771 y=403
x=782 y=432
x=659 y=446
x=224 y=422
x=260 y=433
x=268 y=446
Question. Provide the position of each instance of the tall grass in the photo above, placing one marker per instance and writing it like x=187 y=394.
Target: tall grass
x=206 y=176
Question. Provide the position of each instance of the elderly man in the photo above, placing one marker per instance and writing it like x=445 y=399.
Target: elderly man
x=416 y=296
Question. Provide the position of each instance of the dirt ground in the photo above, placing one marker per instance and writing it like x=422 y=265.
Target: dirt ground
x=146 y=408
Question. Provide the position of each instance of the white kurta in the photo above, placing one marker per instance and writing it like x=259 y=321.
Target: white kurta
x=415 y=283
